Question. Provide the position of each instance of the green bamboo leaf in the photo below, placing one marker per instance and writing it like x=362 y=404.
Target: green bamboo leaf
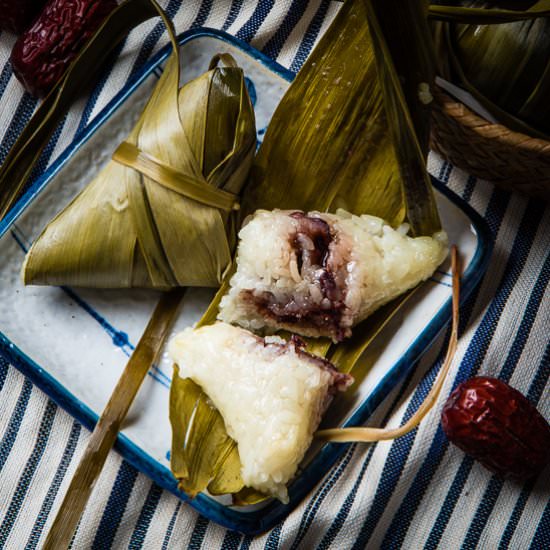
x=327 y=145
x=247 y=497
x=480 y=49
x=506 y=68
x=227 y=478
x=203 y=456
x=345 y=98
x=201 y=447
x=407 y=75
x=346 y=355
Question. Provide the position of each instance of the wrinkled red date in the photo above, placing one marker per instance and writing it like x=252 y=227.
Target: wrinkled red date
x=43 y=52
x=498 y=426
x=17 y=15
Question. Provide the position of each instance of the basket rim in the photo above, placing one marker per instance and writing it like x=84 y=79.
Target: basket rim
x=463 y=115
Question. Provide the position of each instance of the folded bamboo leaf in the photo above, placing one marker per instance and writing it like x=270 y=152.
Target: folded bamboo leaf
x=196 y=460
x=247 y=497
x=344 y=99
x=203 y=456
x=182 y=167
x=24 y=154
x=328 y=146
x=227 y=478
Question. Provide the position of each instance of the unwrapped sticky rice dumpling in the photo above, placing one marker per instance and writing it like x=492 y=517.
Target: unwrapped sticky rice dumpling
x=320 y=274
x=270 y=393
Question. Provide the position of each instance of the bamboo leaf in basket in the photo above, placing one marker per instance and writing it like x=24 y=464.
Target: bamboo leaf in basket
x=483 y=15
x=506 y=67
x=163 y=212
x=329 y=145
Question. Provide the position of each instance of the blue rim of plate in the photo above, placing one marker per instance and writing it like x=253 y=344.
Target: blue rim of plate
x=259 y=521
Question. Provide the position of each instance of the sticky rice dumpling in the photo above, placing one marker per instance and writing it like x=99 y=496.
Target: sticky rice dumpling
x=162 y=213
x=320 y=274
x=270 y=393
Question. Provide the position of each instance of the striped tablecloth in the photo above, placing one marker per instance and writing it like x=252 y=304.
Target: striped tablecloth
x=416 y=492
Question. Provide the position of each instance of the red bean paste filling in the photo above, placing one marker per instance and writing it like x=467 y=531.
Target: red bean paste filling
x=313 y=264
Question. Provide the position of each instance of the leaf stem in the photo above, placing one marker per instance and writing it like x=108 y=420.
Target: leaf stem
x=106 y=430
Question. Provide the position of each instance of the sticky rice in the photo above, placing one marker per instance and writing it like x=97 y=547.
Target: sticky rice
x=270 y=393
x=320 y=274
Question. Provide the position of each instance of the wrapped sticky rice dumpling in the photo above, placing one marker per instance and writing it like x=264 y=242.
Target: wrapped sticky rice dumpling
x=320 y=274
x=162 y=213
x=270 y=393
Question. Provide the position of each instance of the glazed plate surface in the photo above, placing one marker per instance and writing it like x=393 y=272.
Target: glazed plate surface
x=74 y=343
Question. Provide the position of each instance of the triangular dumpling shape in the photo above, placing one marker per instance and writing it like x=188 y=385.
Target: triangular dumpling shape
x=270 y=393
x=155 y=226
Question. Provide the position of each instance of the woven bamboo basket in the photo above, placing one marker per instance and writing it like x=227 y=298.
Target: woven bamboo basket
x=490 y=151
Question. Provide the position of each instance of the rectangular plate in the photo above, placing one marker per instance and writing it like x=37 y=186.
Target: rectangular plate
x=73 y=344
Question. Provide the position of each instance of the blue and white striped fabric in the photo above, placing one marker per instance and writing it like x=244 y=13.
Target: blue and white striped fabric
x=416 y=492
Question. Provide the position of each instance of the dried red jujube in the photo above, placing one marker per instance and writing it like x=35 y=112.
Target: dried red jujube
x=17 y=15
x=498 y=426
x=43 y=52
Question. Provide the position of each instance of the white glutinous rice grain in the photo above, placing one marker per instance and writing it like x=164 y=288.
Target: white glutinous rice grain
x=270 y=393
x=320 y=274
